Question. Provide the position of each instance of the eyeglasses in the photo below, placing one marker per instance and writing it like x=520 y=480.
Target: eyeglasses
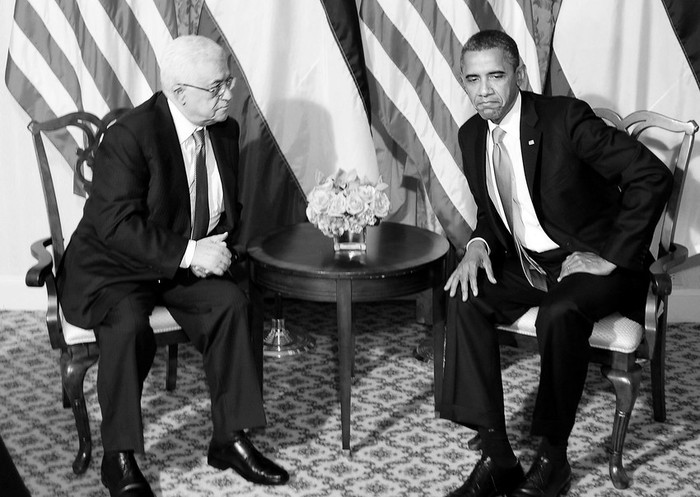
x=216 y=91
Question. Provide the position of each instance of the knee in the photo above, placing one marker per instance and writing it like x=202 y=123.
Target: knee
x=555 y=311
x=127 y=323
x=563 y=322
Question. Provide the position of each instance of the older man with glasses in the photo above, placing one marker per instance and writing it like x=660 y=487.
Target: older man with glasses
x=160 y=228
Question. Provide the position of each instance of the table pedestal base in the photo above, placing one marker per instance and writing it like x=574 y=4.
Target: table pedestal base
x=279 y=341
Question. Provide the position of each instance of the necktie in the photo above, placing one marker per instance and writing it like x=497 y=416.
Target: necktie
x=200 y=221
x=503 y=171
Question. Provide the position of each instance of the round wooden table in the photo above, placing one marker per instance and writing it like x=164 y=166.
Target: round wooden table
x=298 y=261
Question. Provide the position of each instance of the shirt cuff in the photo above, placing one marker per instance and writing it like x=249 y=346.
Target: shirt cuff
x=189 y=254
x=488 y=249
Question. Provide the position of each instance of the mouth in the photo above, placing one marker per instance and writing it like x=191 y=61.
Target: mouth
x=488 y=105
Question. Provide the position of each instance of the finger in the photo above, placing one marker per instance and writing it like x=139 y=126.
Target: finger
x=489 y=270
x=218 y=238
x=472 y=284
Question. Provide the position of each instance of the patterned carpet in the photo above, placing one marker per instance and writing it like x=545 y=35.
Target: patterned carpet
x=398 y=447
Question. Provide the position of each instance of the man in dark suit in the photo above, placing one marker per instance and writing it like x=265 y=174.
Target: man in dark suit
x=566 y=209
x=159 y=228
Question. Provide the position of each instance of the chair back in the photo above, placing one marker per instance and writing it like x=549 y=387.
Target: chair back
x=653 y=129
x=77 y=136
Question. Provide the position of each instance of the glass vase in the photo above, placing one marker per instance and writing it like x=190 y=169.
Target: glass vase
x=350 y=242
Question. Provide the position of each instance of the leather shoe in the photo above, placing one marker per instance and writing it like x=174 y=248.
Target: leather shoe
x=544 y=479
x=489 y=480
x=240 y=455
x=122 y=476
x=474 y=443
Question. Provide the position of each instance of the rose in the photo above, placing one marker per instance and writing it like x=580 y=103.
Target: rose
x=381 y=204
x=337 y=205
x=320 y=198
x=354 y=202
x=366 y=192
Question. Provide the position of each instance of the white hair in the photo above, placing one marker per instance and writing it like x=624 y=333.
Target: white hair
x=181 y=59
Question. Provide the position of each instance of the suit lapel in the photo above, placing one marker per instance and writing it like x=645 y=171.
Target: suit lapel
x=171 y=150
x=530 y=140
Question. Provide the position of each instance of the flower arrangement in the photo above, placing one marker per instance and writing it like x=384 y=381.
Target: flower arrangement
x=344 y=202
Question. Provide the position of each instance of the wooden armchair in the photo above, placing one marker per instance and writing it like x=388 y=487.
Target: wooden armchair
x=77 y=346
x=620 y=345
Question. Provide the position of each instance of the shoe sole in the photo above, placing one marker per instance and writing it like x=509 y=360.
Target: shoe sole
x=222 y=465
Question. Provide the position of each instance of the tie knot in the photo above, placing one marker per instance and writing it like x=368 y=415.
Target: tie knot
x=498 y=134
x=198 y=136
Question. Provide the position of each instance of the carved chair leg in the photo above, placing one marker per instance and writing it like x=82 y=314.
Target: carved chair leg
x=171 y=368
x=626 y=385
x=74 y=364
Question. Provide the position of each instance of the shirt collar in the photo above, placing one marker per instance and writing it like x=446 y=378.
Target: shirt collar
x=183 y=127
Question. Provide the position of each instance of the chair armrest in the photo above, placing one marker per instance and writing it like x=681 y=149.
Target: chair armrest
x=38 y=273
x=41 y=274
x=663 y=267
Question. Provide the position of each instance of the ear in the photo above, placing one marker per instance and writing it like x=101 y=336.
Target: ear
x=521 y=76
x=179 y=94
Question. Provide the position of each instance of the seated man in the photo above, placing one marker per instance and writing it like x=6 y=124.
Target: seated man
x=566 y=210
x=158 y=228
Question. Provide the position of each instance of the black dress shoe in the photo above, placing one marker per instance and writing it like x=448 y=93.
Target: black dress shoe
x=545 y=479
x=240 y=455
x=122 y=476
x=474 y=443
x=489 y=480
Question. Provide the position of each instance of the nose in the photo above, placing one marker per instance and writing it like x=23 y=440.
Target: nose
x=484 y=87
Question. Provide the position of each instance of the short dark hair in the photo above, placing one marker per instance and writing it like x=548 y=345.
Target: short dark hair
x=492 y=38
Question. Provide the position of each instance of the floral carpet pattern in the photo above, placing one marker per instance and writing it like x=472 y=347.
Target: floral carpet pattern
x=399 y=447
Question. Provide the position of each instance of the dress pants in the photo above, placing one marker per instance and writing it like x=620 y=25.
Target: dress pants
x=213 y=312
x=472 y=385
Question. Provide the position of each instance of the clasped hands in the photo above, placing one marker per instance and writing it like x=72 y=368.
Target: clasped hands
x=211 y=256
x=477 y=256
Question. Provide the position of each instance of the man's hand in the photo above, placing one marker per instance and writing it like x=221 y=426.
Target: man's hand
x=211 y=256
x=477 y=256
x=585 y=262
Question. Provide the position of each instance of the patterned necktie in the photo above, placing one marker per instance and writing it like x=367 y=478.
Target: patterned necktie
x=200 y=221
x=503 y=171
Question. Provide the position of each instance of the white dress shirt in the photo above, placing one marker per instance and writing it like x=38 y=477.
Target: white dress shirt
x=184 y=129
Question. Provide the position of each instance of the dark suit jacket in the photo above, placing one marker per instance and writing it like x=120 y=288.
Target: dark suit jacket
x=136 y=221
x=594 y=188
